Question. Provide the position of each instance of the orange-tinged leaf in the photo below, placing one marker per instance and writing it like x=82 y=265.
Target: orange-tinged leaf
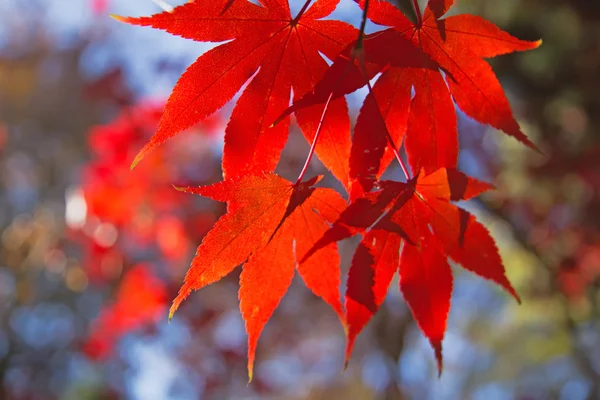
x=321 y=271
x=202 y=20
x=279 y=54
x=273 y=227
x=269 y=227
x=237 y=235
x=140 y=299
x=333 y=146
x=262 y=285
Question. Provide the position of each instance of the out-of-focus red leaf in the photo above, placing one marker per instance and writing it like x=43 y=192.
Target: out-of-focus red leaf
x=142 y=203
x=140 y=300
x=99 y=7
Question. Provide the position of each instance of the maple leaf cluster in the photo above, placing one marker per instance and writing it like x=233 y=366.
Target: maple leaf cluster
x=273 y=226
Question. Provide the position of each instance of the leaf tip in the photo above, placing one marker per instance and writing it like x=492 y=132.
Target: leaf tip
x=510 y=289
x=531 y=145
x=119 y=18
x=136 y=160
x=278 y=120
x=516 y=296
x=345 y=365
x=175 y=305
x=250 y=366
x=250 y=374
x=309 y=182
x=534 y=147
x=437 y=347
x=283 y=116
x=349 y=348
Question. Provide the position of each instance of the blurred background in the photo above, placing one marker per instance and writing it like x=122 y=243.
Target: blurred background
x=91 y=255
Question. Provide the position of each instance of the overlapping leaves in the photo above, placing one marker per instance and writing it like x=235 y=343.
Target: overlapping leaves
x=424 y=67
x=269 y=227
x=272 y=225
x=412 y=228
x=276 y=53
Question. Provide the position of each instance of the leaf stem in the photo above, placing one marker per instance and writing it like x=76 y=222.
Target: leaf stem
x=388 y=136
x=363 y=24
x=362 y=66
x=418 y=12
x=294 y=22
x=313 y=146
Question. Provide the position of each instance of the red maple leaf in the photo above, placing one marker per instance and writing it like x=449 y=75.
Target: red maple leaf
x=141 y=205
x=455 y=46
x=108 y=176
x=278 y=53
x=269 y=226
x=141 y=299
x=413 y=228
x=272 y=225
x=441 y=60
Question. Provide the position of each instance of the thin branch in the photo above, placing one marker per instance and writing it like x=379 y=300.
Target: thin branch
x=363 y=24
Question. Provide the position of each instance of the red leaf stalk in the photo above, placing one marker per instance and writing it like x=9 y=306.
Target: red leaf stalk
x=418 y=12
x=389 y=137
x=314 y=142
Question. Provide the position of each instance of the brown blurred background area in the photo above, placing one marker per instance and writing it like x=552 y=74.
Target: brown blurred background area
x=91 y=254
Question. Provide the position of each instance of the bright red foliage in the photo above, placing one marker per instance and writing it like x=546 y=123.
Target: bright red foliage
x=130 y=212
x=456 y=45
x=285 y=51
x=141 y=298
x=272 y=225
x=441 y=60
x=417 y=221
x=108 y=176
x=99 y=6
